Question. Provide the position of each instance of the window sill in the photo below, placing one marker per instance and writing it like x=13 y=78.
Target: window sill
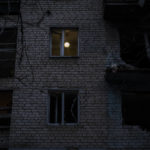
x=65 y=124
x=7 y=77
x=64 y=57
x=5 y=127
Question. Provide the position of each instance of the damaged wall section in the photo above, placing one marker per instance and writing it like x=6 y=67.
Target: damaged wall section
x=135 y=109
x=133 y=136
x=134 y=47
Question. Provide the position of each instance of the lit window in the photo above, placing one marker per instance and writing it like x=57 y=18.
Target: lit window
x=8 y=39
x=63 y=107
x=64 y=42
x=5 y=108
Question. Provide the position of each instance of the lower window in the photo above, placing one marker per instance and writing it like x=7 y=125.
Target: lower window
x=5 y=108
x=135 y=109
x=63 y=107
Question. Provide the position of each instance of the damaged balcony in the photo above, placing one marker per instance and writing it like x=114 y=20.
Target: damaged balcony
x=122 y=75
x=7 y=52
x=135 y=53
x=131 y=75
x=126 y=10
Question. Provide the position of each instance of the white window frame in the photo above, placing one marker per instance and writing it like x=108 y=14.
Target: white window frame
x=62 y=117
x=62 y=42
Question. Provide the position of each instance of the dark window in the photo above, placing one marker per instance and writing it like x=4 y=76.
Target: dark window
x=63 y=107
x=64 y=42
x=55 y=107
x=8 y=37
x=133 y=48
x=135 y=109
x=5 y=108
x=70 y=107
x=9 y=7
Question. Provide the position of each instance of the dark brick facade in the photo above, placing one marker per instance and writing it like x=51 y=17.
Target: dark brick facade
x=100 y=123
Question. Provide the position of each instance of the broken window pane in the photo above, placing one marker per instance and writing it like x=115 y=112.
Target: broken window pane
x=133 y=49
x=63 y=107
x=5 y=107
x=56 y=42
x=55 y=108
x=135 y=109
x=71 y=113
x=70 y=43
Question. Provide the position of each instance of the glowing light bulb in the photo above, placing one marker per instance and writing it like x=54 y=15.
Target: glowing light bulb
x=66 y=44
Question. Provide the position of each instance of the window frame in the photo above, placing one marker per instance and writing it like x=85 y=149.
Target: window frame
x=62 y=96
x=62 y=42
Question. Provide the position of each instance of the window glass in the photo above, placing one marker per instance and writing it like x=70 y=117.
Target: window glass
x=63 y=107
x=64 y=42
x=71 y=113
x=70 y=43
x=55 y=108
x=56 y=42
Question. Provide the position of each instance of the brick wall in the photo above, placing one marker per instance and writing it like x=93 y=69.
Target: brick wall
x=100 y=121
x=85 y=73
